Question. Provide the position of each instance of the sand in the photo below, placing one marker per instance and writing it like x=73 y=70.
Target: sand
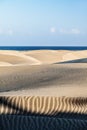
x=16 y=58
x=43 y=89
x=31 y=112
x=37 y=105
x=43 y=72
x=40 y=123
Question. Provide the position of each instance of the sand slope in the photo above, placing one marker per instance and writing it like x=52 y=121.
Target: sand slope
x=40 y=91
x=59 y=80
x=35 y=73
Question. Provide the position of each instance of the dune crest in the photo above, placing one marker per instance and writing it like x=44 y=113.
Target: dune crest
x=15 y=58
x=52 y=56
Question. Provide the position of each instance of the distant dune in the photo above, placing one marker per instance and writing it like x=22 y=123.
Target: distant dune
x=16 y=58
x=39 y=57
x=35 y=73
x=52 y=56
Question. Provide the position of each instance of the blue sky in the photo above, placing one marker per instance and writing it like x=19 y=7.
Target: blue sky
x=47 y=22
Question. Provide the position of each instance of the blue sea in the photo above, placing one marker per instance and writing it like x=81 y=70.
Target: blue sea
x=27 y=48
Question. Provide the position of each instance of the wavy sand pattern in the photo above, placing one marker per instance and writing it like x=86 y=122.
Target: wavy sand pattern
x=40 y=91
x=43 y=113
x=17 y=122
x=42 y=105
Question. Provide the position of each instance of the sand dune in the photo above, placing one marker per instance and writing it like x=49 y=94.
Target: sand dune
x=40 y=91
x=50 y=56
x=46 y=56
x=15 y=58
x=73 y=55
x=29 y=71
x=60 y=79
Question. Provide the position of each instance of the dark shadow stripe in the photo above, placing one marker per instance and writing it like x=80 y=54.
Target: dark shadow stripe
x=83 y=60
x=15 y=122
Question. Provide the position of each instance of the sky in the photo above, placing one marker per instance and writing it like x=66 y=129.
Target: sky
x=43 y=22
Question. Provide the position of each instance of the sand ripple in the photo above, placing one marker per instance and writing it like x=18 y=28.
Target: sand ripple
x=43 y=113
x=42 y=105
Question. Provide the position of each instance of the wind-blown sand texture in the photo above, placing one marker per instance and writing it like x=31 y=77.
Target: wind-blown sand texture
x=42 y=105
x=43 y=90
x=43 y=113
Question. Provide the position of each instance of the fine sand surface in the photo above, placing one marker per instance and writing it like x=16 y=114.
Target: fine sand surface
x=43 y=72
x=43 y=90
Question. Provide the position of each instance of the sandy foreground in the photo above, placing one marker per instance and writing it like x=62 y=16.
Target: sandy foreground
x=44 y=73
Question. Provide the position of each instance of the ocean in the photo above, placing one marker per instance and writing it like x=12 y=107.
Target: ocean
x=27 y=48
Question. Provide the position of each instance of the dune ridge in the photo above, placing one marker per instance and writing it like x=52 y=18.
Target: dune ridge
x=15 y=58
x=52 y=56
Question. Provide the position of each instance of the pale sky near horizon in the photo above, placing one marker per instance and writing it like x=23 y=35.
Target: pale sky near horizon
x=43 y=22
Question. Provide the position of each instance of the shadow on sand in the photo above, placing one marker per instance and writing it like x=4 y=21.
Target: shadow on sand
x=32 y=121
